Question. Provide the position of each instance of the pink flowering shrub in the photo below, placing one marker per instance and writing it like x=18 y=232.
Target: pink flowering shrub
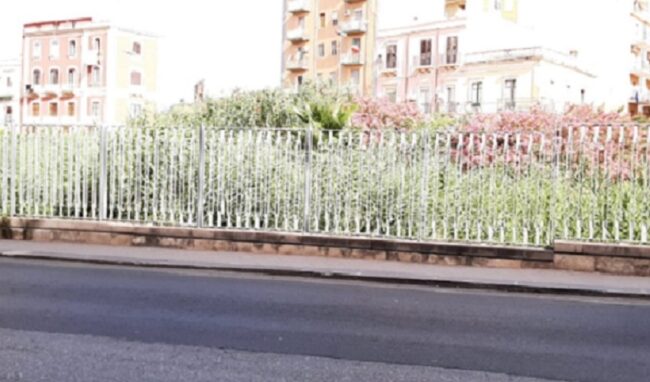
x=380 y=114
x=591 y=140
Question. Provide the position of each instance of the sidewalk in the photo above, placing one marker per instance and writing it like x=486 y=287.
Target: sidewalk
x=518 y=280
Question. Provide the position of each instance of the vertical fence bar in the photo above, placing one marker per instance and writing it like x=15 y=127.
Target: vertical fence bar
x=201 y=174
x=308 y=151
x=102 y=173
x=12 y=188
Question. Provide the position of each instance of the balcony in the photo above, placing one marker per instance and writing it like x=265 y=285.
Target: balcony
x=639 y=95
x=520 y=54
x=354 y=26
x=351 y=59
x=423 y=61
x=449 y=60
x=297 y=35
x=298 y=6
x=640 y=66
x=297 y=64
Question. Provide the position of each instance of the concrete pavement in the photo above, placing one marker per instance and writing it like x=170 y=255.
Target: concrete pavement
x=524 y=280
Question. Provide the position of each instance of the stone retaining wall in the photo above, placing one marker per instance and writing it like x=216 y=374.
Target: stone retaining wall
x=618 y=259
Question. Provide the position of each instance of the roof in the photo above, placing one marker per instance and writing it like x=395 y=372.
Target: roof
x=57 y=22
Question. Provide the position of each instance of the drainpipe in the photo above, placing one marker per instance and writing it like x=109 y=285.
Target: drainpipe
x=284 y=36
x=407 y=66
x=436 y=71
x=21 y=70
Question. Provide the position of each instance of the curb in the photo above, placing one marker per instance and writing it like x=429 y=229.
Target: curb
x=335 y=275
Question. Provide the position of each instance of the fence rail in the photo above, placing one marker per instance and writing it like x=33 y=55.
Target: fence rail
x=583 y=183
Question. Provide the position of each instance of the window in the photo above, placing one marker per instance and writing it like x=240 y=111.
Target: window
x=583 y=95
x=390 y=92
x=321 y=50
x=72 y=48
x=391 y=56
x=299 y=81
x=136 y=78
x=97 y=44
x=476 y=93
x=335 y=48
x=54 y=49
x=424 y=98
x=335 y=18
x=323 y=20
x=36 y=77
x=71 y=109
x=135 y=110
x=9 y=82
x=451 y=99
x=137 y=48
x=36 y=109
x=95 y=76
x=36 y=49
x=333 y=78
x=71 y=75
x=54 y=76
x=510 y=91
x=355 y=77
x=425 y=52
x=452 y=50
x=95 y=109
x=54 y=109
x=497 y=5
x=8 y=115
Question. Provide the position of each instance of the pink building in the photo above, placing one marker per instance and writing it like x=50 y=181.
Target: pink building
x=418 y=63
x=79 y=71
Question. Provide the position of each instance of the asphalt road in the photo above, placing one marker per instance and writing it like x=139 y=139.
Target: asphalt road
x=76 y=322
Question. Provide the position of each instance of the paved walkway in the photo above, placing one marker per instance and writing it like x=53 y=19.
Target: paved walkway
x=531 y=280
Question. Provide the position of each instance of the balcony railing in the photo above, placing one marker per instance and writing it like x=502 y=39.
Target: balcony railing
x=298 y=6
x=352 y=59
x=297 y=34
x=424 y=60
x=519 y=54
x=640 y=65
x=639 y=95
x=297 y=64
x=354 y=26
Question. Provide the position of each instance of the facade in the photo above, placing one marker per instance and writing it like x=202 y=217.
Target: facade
x=80 y=71
x=482 y=57
x=9 y=91
x=329 y=41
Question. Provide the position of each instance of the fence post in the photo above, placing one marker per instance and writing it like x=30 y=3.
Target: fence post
x=557 y=150
x=103 y=154
x=14 y=154
x=308 y=152
x=200 y=180
x=424 y=187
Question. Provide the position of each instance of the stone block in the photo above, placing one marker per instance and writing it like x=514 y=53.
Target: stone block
x=575 y=263
x=615 y=265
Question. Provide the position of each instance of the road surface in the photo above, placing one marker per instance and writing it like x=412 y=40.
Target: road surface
x=62 y=321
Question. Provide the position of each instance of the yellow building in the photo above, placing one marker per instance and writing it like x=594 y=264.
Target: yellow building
x=329 y=42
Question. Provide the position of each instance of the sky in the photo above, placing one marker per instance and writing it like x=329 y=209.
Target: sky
x=230 y=44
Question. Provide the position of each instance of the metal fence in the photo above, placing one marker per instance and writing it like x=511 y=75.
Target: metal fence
x=582 y=183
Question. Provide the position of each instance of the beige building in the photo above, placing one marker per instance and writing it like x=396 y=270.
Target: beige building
x=329 y=42
x=9 y=91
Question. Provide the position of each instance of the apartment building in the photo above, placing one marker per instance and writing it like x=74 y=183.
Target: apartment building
x=9 y=91
x=329 y=42
x=483 y=56
x=80 y=71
